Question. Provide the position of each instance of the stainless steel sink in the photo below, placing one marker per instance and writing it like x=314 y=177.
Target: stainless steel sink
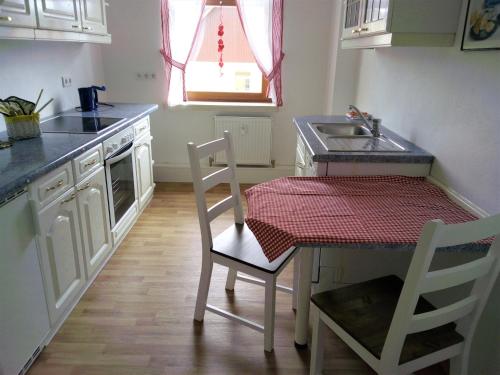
x=342 y=130
x=352 y=137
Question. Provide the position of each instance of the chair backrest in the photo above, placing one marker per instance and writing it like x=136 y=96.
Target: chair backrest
x=466 y=312
x=201 y=184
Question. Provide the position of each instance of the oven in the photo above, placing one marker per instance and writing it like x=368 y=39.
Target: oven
x=120 y=181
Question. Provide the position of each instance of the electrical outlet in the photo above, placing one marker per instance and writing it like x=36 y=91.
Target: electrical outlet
x=66 y=81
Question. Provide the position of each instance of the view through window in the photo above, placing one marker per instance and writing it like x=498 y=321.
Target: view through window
x=240 y=78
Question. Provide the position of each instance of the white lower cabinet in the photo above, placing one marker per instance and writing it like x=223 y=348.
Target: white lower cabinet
x=61 y=253
x=144 y=170
x=92 y=198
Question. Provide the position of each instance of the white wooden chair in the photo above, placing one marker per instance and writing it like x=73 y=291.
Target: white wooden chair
x=235 y=248
x=392 y=327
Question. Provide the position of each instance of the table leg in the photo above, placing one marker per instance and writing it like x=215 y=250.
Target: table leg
x=303 y=297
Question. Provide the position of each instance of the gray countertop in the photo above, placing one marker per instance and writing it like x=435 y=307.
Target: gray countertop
x=29 y=159
x=414 y=155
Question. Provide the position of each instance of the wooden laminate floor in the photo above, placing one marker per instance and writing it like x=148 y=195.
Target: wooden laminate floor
x=137 y=317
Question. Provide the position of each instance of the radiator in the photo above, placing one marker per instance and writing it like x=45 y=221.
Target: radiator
x=251 y=139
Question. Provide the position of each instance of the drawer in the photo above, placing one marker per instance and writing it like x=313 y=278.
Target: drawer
x=141 y=127
x=51 y=186
x=87 y=163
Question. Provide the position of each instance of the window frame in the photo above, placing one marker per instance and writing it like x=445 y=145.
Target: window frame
x=214 y=96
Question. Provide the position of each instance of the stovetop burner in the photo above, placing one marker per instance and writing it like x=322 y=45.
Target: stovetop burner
x=78 y=125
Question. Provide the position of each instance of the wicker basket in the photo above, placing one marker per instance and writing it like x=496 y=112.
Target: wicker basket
x=23 y=127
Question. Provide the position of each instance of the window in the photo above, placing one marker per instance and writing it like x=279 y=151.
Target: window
x=240 y=79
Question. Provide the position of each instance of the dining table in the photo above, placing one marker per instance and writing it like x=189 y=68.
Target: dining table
x=353 y=212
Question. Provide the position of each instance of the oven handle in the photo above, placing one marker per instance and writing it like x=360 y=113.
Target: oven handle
x=122 y=155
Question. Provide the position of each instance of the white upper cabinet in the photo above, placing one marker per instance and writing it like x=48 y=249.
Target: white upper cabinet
x=94 y=16
x=59 y=15
x=385 y=23
x=20 y=13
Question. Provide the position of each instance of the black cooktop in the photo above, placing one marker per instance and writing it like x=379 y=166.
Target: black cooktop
x=78 y=125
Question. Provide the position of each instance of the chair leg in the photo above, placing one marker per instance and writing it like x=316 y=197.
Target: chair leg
x=269 y=314
x=296 y=274
x=231 y=279
x=203 y=287
x=317 y=349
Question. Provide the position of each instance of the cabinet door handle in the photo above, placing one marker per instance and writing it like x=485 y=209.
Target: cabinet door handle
x=69 y=199
x=84 y=187
x=75 y=26
x=87 y=28
x=363 y=29
x=90 y=163
x=54 y=187
x=142 y=128
x=6 y=18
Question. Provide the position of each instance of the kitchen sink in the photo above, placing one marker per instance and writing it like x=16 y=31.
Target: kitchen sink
x=352 y=137
x=342 y=130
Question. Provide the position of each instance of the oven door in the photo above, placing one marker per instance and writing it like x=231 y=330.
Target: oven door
x=120 y=172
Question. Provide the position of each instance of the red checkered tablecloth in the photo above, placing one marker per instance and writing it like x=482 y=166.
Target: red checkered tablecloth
x=379 y=210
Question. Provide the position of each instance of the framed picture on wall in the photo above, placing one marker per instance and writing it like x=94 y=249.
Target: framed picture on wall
x=482 y=25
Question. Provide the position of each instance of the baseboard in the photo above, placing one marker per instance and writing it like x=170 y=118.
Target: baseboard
x=460 y=199
x=164 y=172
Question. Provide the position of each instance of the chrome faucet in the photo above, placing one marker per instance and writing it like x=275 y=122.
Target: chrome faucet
x=372 y=124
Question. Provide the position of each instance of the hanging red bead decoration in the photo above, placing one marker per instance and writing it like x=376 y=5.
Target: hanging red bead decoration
x=220 y=43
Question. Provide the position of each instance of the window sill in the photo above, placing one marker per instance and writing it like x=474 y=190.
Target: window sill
x=270 y=107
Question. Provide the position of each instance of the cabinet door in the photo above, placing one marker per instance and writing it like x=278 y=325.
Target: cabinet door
x=144 y=170
x=353 y=10
x=59 y=14
x=94 y=218
x=61 y=253
x=17 y=13
x=375 y=17
x=94 y=16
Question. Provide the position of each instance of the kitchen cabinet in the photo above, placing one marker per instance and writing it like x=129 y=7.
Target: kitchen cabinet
x=93 y=16
x=61 y=253
x=20 y=13
x=92 y=198
x=144 y=170
x=24 y=319
x=384 y=23
x=59 y=15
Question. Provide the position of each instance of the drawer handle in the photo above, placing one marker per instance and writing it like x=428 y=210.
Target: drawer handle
x=6 y=18
x=90 y=163
x=84 y=187
x=71 y=197
x=54 y=187
x=75 y=26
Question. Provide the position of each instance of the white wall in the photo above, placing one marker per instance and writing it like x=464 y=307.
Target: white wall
x=135 y=48
x=29 y=66
x=446 y=101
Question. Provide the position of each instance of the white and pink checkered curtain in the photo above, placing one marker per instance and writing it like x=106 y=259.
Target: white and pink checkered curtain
x=262 y=21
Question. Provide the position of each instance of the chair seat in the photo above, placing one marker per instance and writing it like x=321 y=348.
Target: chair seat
x=365 y=312
x=238 y=243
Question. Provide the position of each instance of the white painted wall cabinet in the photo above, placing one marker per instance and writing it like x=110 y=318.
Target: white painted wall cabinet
x=61 y=20
x=20 y=13
x=385 y=23
x=59 y=15
x=93 y=16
